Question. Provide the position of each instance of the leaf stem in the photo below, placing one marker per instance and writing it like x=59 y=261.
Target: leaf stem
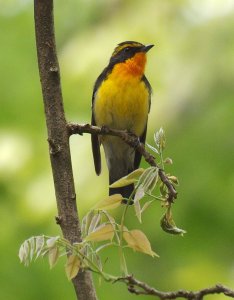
x=121 y=248
x=156 y=197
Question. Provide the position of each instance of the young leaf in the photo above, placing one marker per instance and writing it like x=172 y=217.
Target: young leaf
x=109 y=217
x=145 y=177
x=102 y=233
x=72 y=266
x=32 y=247
x=138 y=241
x=26 y=249
x=168 y=225
x=160 y=139
x=99 y=261
x=137 y=208
x=140 y=193
x=146 y=205
x=83 y=225
x=51 y=241
x=138 y=196
x=151 y=181
x=135 y=174
x=173 y=179
x=111 y=202
x=129 y=179
x=94 y=223
x=23 y=253
x=168 y=161
x=39 y=245
x=152 y=148
x=44 y=252
x=86 y=222
x=122 y=182
x=53 y=255
x=103 y=247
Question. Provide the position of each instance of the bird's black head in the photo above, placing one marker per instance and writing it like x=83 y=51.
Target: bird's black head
x=128 y=49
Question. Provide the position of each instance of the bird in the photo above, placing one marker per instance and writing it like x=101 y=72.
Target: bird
x=121 y=100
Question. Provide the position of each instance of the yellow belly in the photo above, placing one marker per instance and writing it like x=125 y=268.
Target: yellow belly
x=122 y=104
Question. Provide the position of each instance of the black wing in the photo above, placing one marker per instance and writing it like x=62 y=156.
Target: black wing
x=94 y=137
x=138 y=156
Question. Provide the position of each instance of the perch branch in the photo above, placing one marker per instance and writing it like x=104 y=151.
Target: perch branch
x=133 y=141
x=58 y=138
x=140 y=288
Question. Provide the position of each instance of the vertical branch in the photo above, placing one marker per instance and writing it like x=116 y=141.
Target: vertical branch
x=58 y=137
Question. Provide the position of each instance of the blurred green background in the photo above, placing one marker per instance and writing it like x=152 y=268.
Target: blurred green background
x=191 y=70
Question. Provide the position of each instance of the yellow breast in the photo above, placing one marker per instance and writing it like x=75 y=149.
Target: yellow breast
x=122 y=101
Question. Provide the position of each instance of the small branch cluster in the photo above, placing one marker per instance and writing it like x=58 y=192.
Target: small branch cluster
x=99 y=226
x=133 y=141
x=55 y=247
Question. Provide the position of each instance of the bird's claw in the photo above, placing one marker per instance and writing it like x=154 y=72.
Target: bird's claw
x=104 y=129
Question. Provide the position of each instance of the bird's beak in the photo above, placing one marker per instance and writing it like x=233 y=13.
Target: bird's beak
x=147 y=48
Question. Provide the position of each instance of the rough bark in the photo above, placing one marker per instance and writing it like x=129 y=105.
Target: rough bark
x=58 y=137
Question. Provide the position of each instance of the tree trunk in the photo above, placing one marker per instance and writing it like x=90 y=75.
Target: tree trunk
x=58 y=137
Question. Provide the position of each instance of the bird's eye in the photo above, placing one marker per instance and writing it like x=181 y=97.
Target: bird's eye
x=126 y=49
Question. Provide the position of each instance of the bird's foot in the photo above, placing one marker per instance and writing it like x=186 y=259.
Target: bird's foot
x=105 y=129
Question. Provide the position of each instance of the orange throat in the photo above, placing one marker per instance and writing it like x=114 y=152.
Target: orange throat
x=134 y=66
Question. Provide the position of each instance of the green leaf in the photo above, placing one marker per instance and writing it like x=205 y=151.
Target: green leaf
x=168 y=225
x=72 y=266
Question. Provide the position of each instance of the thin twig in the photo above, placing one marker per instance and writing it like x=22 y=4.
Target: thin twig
x=138 y=287
x=133 y=141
